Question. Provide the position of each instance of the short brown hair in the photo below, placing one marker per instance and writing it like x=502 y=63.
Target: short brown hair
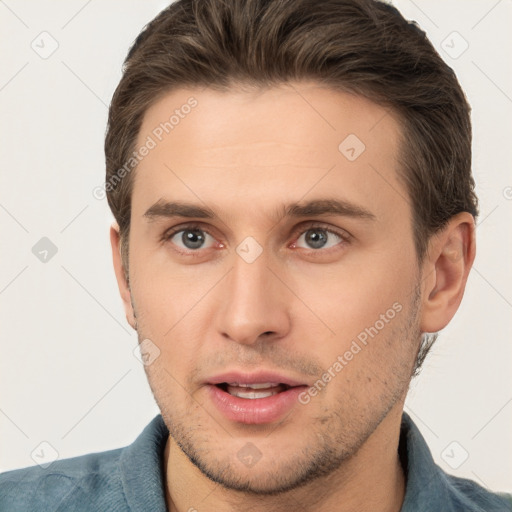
x=361 y=46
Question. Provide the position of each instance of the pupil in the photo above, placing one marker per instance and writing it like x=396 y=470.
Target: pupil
x=192 y=238
x=316 y=238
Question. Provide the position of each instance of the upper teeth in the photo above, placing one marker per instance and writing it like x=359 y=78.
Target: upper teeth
x=253 y=391
x=262 y=385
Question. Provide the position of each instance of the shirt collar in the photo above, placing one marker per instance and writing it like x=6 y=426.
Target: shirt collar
x=427 y=486
x=142 y=470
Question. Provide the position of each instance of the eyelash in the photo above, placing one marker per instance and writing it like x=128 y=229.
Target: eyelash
x=343 y=235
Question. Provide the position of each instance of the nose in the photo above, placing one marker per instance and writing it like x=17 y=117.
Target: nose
x=255 y=304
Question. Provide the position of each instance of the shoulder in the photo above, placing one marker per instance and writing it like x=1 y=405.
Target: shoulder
x=430 y=489
x=128 y=478
x=66 y=484
x=469 y=495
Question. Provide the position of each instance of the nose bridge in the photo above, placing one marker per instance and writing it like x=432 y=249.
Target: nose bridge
x=249 y=282
x=253 y=302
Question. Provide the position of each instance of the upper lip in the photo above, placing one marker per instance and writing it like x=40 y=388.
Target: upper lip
x=257 y=377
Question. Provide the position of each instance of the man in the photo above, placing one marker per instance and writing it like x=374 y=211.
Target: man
x=295 y=215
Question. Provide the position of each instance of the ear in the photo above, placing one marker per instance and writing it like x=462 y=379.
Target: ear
x=122 y=283
x=445 y=269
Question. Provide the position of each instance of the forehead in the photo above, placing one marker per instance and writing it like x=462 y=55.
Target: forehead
x=255 y=147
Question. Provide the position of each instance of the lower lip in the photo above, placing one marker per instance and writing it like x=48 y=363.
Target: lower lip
x=255 y=410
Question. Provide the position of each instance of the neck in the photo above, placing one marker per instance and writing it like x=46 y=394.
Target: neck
x=371 y=480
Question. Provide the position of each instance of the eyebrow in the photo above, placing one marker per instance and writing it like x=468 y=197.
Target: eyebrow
x=328 y=207
x=169 y=209
x=178 y=209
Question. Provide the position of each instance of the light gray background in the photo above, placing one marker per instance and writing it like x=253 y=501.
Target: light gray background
x=69 y=377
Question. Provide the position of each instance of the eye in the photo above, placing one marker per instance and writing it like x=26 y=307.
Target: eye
x=318 y=238
x=191 y=239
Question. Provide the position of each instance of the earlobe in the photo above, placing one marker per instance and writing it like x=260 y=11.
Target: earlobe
x=446 y=267
x=122 y=282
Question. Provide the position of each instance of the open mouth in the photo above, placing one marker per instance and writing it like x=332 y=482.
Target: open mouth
x=253 y=391
x=254 y=402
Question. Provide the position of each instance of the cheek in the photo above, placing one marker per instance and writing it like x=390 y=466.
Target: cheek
x=366 y=306
x=350 y=297
x=165 y=294
x=173 y=311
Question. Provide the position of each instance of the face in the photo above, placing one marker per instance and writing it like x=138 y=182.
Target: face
x=273 y=271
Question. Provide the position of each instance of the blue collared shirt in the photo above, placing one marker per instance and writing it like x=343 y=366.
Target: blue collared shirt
x=131 y=479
